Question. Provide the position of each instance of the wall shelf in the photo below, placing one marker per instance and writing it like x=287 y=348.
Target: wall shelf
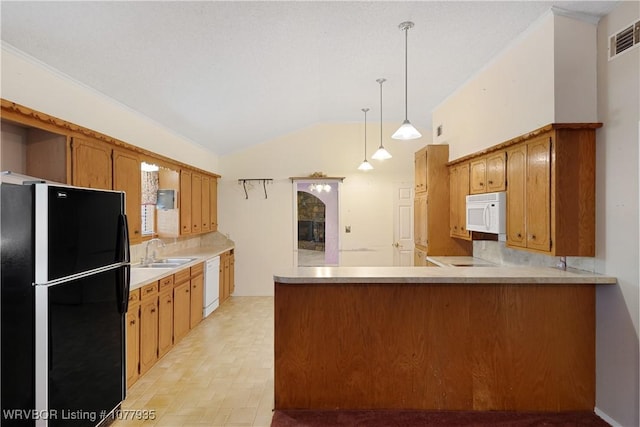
x=264 y=181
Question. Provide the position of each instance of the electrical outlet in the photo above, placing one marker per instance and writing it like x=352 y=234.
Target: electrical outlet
x=347 y=229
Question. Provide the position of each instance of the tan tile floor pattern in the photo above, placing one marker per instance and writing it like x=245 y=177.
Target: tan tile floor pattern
x=220 y=374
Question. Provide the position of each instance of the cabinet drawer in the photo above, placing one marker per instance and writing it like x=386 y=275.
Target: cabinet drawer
x=197 y=269
x=166 y=282
x=149 y=290
x=181 y=276
x=134 y=296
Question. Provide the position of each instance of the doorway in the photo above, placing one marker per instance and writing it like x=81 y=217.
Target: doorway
x=316 y=217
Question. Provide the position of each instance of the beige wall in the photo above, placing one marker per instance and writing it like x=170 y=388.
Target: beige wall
x=263 y=228
x=617 y=227
x=546 y=75
x=35 y=85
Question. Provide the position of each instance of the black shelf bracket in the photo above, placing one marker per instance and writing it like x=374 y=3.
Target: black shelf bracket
x=264 y=181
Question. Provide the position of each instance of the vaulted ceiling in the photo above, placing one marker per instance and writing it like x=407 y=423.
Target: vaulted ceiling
x=228 y=75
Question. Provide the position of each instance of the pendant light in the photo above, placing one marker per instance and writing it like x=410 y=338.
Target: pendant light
x=365 y=165
x=406 y=130
x=381 y=154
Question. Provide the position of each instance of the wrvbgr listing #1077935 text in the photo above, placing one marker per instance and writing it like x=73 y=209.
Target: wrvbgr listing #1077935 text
x=67 y=414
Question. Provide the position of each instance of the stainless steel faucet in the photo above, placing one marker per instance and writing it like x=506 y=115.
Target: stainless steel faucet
x=146 y=259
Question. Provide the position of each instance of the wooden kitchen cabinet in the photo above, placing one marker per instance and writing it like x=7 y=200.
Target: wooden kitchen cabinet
x=459 y=187
x=551 y=191
x=181 y=313
x=196 y=203
x=227 y=275
x=132 y=331
x=91 y=163
x=148 y=327
x=206 y=204
x=197 y=297
x=213 y=203
x=488 y=173
x=431 y=206
x=126 y=177
x=420 y=170
x=165 y=316
x=185 y=202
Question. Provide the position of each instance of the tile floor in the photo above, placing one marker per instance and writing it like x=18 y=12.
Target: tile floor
x=220 y=374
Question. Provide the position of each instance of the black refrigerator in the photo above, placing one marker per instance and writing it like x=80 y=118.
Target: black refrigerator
x=64 y=293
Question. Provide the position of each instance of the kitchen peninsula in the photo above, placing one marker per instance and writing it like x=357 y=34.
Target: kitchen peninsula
x=446 y=338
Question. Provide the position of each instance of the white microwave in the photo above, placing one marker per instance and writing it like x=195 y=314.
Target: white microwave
x=486 y=212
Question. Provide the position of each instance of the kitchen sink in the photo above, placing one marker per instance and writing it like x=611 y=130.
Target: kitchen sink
x=166 y=263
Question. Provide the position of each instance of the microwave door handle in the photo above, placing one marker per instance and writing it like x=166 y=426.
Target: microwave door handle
x=486 y=214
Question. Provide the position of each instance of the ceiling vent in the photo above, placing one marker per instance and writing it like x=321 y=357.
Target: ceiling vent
x=624 y=40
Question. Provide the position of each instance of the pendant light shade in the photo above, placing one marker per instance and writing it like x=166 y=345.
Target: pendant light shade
x=365 y=165
x=381 y=153
x=406 y=130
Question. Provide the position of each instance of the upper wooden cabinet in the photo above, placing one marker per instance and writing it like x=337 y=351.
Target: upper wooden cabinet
x=459 y=189
x=92 y=167
x=431 y=205
x=196 y=203
x=206 y=204
x=213 y=204
x=420 y=170
x=550 y=184
x=488 y=173
x=185 y=202
x=126 y=177
x=551 y=192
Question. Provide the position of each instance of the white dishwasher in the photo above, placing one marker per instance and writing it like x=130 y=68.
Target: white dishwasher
x=211 y=286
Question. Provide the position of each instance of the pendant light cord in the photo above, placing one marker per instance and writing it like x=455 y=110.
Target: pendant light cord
x=365 y=133
x=406 y=67
x=381 y=81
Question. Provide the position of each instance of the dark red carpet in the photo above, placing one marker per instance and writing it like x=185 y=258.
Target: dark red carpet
x=433 y=418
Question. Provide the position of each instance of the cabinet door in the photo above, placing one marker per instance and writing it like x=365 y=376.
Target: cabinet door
x=148 y=333
x=496 y=172
x=453 y=201
x=133 y=344
x=206 y=204
x=196 y=203
x=165 y=322
x=478 y=170
x=538 y=201
x=185 y=202
x=181 y=316
x=420 y=220
x=91 y=164
x=420 y=170
x=516 y=196
x=197 y=298
x=126 y=177
x=213 y=202
x=463 y=191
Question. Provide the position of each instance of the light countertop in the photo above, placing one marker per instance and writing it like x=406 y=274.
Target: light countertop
x=462 y=275
x=144 y=276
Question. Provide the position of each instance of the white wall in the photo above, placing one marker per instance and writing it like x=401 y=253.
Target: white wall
x=545 y=75
x=263 y=228
x=617 y=228
x=35 y=85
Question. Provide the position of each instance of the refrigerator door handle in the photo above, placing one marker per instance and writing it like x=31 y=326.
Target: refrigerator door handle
x=122 y=251
x=123 y=287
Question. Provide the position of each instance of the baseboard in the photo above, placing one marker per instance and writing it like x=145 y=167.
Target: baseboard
x=607 y=418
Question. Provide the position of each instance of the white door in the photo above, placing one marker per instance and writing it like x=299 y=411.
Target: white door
x=403 y=227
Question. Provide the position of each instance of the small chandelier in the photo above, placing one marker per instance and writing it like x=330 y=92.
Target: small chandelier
x=320 y=187
x=406 y=130
x=381 y=153
x=365 y=165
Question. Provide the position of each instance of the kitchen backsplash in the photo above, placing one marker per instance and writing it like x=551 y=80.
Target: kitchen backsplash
x=177 y=244
x=498 y=253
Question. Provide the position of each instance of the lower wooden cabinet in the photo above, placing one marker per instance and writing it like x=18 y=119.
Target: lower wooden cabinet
x=197 y=297
x=227 y=275
x=148 y=332
x=132 y=331
x=165 y=322
x=181 y=315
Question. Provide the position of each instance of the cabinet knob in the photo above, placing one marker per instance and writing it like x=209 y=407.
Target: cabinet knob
x=519 y=235
x=136 y=231
x=490 y=182
x=153 y=310
x=533 y=237
x=482 y=184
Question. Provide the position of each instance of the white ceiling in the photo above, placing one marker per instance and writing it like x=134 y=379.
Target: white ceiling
x=228 y=75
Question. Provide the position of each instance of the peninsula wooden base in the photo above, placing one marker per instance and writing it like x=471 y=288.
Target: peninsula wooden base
x=521 y=347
